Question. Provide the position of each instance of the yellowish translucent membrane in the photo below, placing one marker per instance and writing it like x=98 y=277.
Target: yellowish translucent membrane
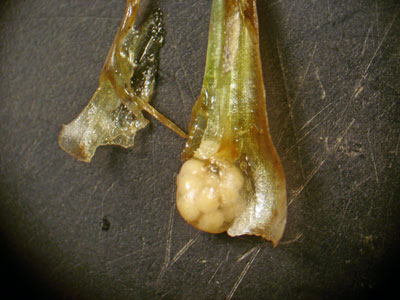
x=114 y=114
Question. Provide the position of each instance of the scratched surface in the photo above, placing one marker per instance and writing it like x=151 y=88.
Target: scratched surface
x=110 y=229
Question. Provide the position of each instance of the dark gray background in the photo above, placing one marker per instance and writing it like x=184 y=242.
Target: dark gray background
x=331 y=70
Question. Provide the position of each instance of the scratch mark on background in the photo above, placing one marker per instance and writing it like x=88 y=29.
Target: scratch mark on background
x=298 y=140
x=185 y=248
x=153 y=168
x=186 y=80
x=122 y=257
x=182 y=101
x=313 y=117
x=305 y=74
x=358 y=87
x=102 y=203
x=309 y=177
x=387 y=29
x=358 y=91
x=167 y=256
x=243 y=274
x=280 y=139
x=343 y=215
x=216 y=271
x=108 y=190
x=387 y=111
x=290 y=12
x=366 y=39
x=284 y=77
x=219 y=266
x=340 y=139
x=361 y=183
x=298 y=236
x=288 y=101
x=89 y=199
x=317 y=168
x=182 y=69
x=372 y=157
x=275 y=3
x=246 y=254
x=316 y=72
x=376 y=15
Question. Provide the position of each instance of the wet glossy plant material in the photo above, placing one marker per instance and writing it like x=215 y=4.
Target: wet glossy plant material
x=114 y=114
x=232 y=179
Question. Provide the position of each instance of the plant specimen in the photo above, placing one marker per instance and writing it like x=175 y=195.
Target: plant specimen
x=232 y=179
x=114 y=114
